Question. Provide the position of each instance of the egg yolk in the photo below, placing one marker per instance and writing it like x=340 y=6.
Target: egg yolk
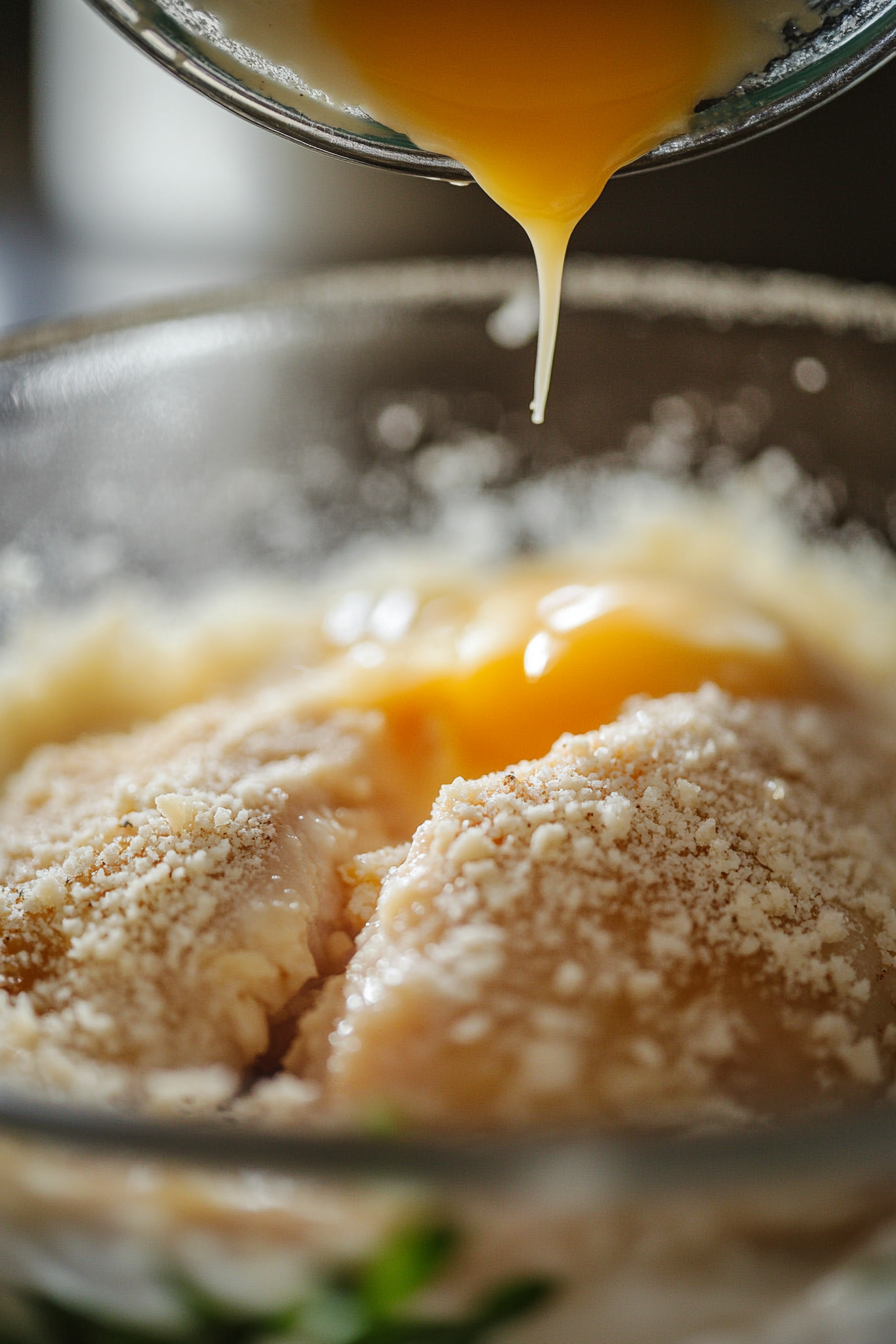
x=587 y=650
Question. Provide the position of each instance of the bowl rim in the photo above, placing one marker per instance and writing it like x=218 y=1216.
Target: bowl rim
x=860 y=1143
x=717 y=293
x=598 y=1163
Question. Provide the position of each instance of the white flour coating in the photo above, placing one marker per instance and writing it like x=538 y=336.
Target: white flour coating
x=685 y=914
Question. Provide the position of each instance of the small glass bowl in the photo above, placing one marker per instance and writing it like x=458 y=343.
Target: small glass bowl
x=244 y=435
x=851 y=41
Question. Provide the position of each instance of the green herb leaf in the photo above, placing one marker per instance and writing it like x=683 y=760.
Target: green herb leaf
x=410 y=1261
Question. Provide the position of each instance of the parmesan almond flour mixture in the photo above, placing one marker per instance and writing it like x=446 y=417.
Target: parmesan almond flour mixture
x=683 y=912
x=417 y=851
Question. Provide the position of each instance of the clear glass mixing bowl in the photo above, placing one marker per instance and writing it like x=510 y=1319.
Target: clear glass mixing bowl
x=264 y=434
x=854 y=37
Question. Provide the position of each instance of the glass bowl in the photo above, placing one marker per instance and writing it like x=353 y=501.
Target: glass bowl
x=184 y=446
x=854 y=37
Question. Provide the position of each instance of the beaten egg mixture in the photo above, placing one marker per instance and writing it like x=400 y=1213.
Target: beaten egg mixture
x=598 y=835
x=541 y=103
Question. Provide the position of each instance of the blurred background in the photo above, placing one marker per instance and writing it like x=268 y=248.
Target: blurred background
x=117 y=184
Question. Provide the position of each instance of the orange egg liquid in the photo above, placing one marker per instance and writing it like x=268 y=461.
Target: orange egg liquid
x=500 y=715
x=542 y=102
x=567 y=661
